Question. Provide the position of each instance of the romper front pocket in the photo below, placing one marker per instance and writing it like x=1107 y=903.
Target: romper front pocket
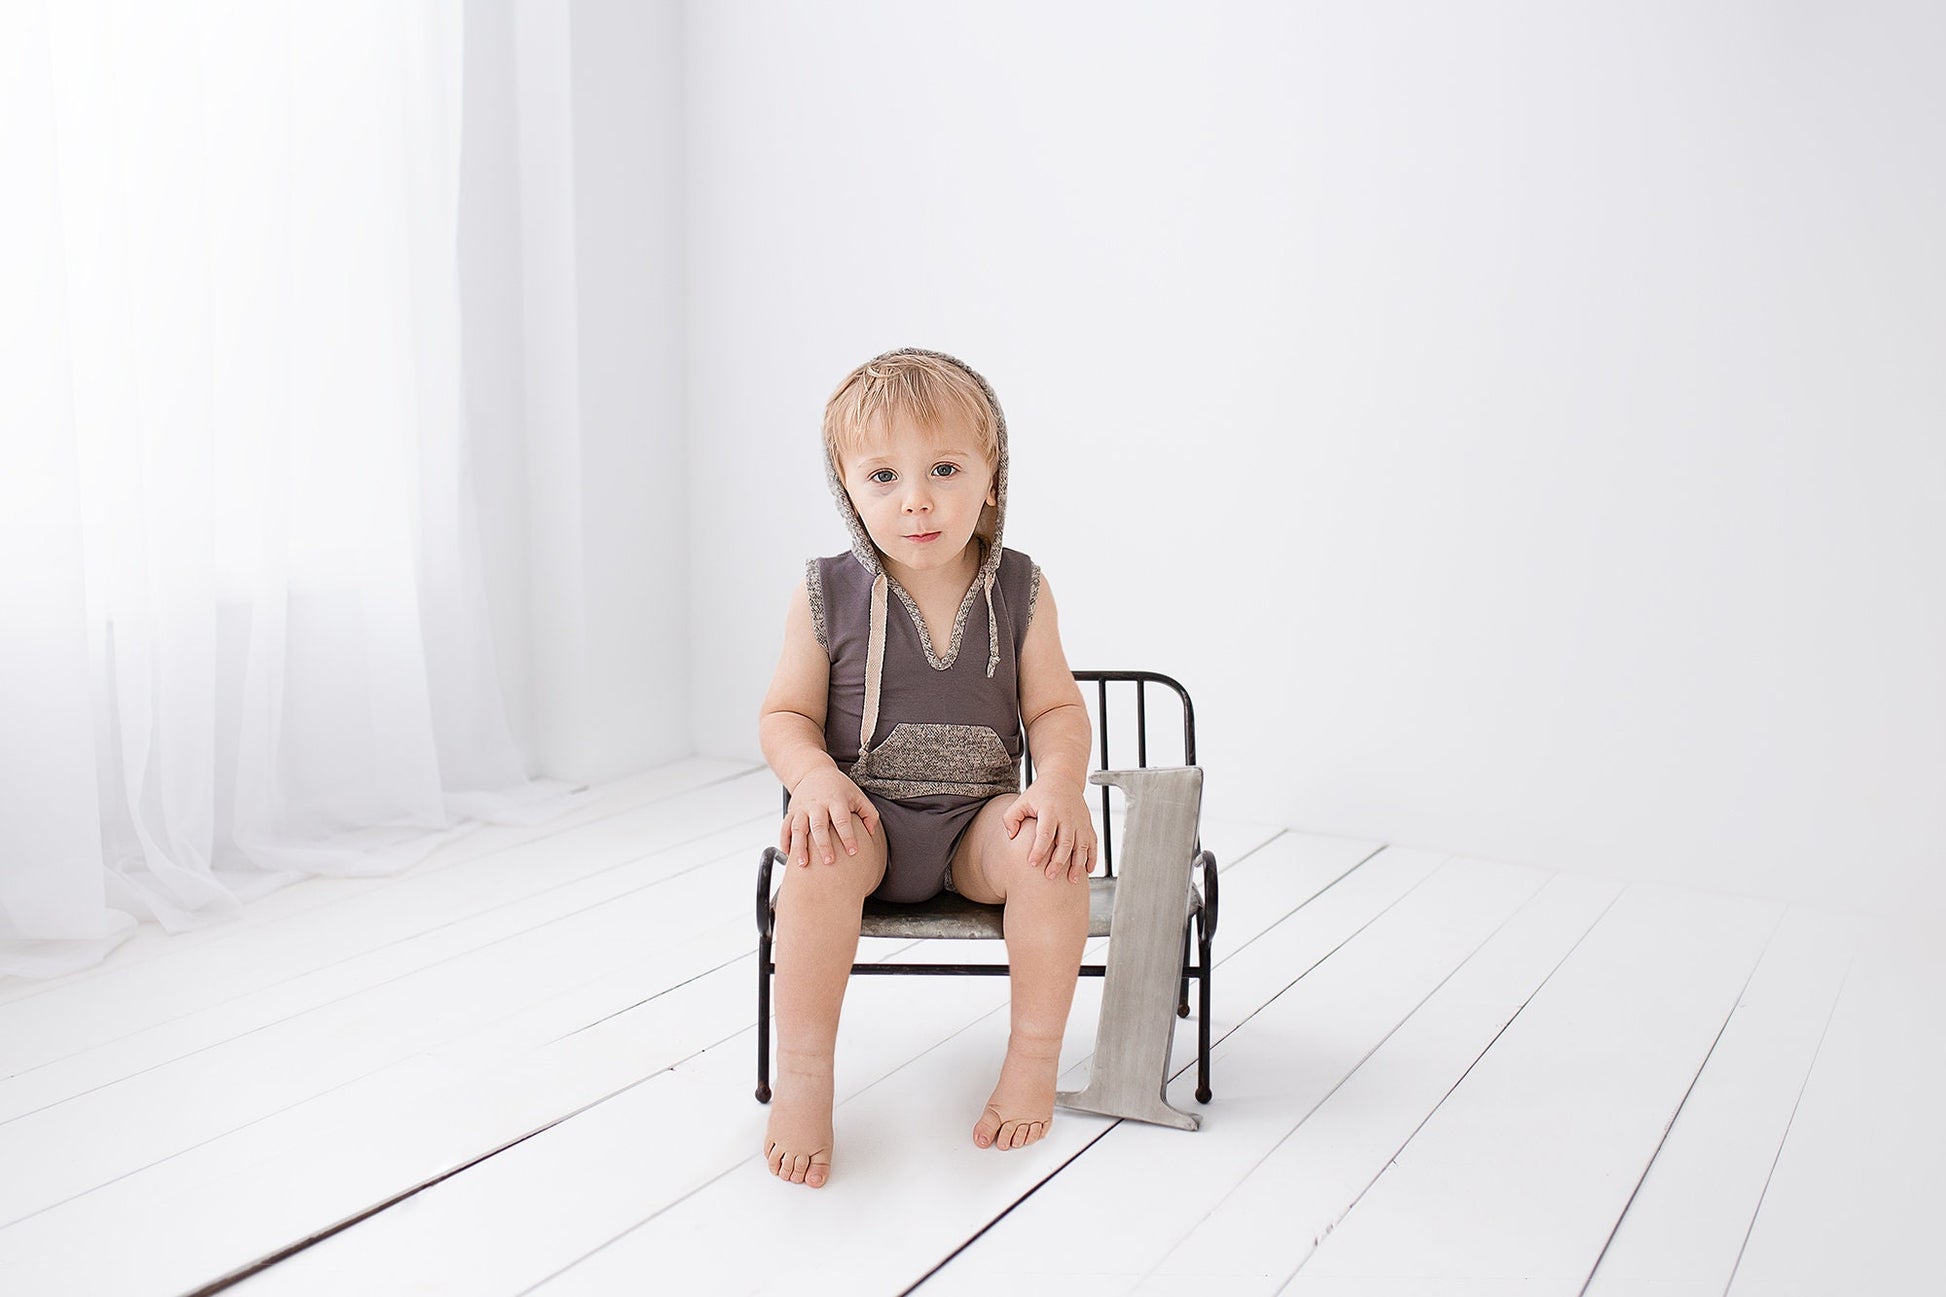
x=920 y=759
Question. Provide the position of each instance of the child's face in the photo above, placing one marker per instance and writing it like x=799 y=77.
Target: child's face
x=919 y=492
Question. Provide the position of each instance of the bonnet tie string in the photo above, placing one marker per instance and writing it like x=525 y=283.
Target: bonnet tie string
x=874 y=666
x=993 y=632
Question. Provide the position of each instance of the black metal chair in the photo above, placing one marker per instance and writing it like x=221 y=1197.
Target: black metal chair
x=951 y=916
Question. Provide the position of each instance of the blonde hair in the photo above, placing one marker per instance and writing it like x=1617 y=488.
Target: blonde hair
x=935 y=393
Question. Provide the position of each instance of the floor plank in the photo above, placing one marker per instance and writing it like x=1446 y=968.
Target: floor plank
x=403 y=1120
x=1860 y=1184
x=151 y=943
x=515 y=894
x=1322 y=1018
x=1341 y=1139
x=1686 y=1223
x=326 y=921
x=473 y=973
x=1519 y=1176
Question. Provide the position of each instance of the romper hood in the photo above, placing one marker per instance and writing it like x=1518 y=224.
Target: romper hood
x=988 y=530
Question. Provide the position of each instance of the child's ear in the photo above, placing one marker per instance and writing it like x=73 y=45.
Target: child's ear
x=993 y=496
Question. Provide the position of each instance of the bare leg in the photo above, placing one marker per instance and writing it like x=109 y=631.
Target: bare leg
x=818 y=911
x=1046 y=924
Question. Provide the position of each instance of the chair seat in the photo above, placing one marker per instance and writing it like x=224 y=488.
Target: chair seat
x=951 y=915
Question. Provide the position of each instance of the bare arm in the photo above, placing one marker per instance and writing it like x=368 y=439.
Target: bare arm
x=1058 y=732
x=790 y=726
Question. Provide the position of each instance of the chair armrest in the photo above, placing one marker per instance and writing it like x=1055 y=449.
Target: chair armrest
x=1208 y=862
x=771 y=856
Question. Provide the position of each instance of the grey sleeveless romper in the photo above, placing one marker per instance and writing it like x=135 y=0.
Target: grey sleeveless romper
x=947 y=735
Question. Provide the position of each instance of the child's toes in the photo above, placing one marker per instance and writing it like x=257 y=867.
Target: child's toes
x=987 y=1129
x=790 y=1167
x=994 y=1131
x=798 y=1138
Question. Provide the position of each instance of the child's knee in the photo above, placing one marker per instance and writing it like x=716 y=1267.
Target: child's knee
x=847 y=878
x=1014 y=858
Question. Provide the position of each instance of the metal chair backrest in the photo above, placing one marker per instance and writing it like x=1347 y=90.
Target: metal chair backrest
x=1130 y=706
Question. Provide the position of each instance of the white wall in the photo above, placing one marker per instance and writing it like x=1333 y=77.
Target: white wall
x=571 y=230
x=1519 y=425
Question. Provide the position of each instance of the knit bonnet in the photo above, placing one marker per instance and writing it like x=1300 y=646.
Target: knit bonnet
x=992 y=517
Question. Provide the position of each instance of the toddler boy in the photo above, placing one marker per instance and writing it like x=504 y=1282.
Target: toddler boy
x=910 y=667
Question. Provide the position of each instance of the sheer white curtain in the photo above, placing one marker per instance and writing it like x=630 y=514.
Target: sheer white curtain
x=242 y=627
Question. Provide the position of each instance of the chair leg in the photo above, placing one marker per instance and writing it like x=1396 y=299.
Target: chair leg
x=1202 y=1016
x=763 y=1018
x=1182 y=997
x=766 y=928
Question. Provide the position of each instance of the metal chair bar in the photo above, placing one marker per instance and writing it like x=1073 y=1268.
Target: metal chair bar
x=1107 y=829
x=983 y=970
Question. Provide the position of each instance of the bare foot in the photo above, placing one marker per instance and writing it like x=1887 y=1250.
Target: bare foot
x=1021 y=1107
x=797 y=1144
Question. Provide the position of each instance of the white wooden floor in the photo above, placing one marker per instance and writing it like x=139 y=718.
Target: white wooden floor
x=527 y=1065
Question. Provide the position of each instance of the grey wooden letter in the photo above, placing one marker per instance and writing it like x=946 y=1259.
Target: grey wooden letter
x=1129 y=1074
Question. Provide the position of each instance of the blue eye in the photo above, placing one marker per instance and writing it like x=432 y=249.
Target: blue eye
x=945 y=470
x=882 y=476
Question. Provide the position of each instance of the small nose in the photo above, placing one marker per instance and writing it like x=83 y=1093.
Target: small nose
x=917 y=499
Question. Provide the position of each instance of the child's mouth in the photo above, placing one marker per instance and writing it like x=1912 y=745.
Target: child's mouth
x=924 y=536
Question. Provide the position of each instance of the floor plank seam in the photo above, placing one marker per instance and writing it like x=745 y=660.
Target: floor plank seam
x=1735 y=1003
x=651 y=999
x=1504 y=1028
x=1342 y=1081
x=1356 y=866
x=694 y=1190
x=1348 y=939
x=1031 y=1190
x=291 y=1250
x=285 y=1253
x=1784 y=1139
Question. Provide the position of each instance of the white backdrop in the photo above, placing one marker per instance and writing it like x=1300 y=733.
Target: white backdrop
x=245 y=635
x=1518 y=424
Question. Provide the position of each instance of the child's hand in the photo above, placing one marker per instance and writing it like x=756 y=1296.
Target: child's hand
x=822 y=804
x=1064 y=836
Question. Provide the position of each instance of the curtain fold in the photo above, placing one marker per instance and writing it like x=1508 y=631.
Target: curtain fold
x=245 y=628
